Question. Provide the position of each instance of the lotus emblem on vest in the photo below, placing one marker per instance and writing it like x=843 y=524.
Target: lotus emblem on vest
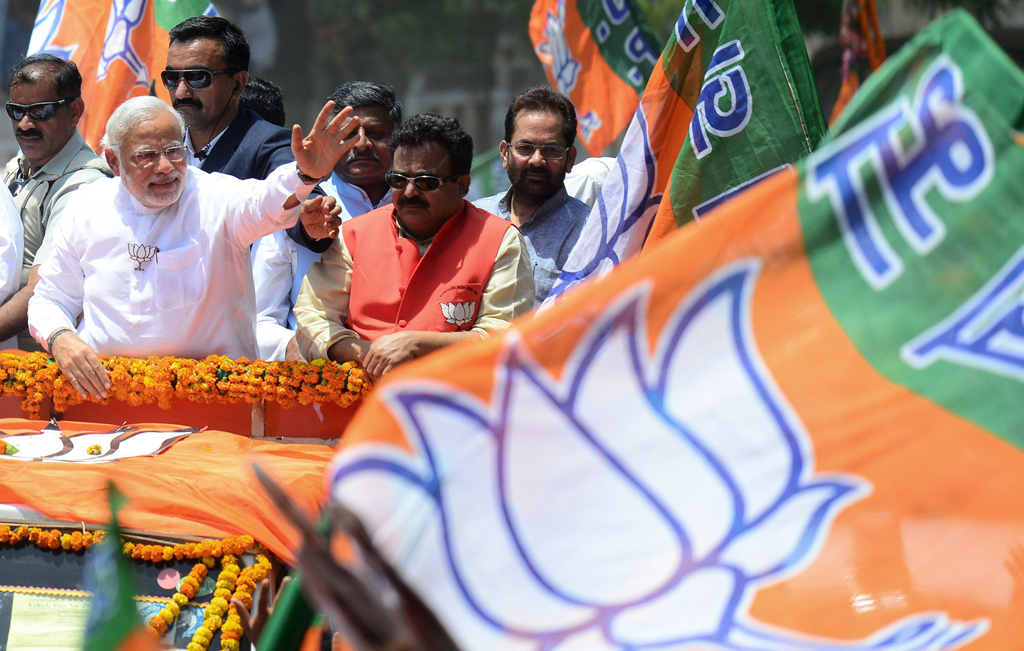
x=635 y=500
x=459 y=313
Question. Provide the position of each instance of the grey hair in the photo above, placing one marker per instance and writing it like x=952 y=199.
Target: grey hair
x=130 y=115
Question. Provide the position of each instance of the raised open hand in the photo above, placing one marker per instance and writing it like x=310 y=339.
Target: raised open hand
x=318 y=152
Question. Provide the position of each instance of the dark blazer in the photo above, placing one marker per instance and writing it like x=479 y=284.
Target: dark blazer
x=252 y=148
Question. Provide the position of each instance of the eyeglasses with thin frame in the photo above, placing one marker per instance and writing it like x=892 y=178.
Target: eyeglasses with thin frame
x=424 y=183
x=195 y=78
x=549 y=152
x=37 y=111
x=146 y=158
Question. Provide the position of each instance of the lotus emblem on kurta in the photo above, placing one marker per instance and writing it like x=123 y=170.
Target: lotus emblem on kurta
x=459 y=313
x=638 y=501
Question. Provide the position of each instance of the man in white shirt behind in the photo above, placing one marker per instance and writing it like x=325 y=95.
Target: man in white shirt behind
x=156 y=260
x=357 y=183
x=12 y=247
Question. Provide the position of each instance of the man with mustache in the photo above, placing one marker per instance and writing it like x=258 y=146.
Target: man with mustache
x=156 y=261
x=358 y=183
x=207 y=69
x=54 y=161
x=430 y=271
x=537 y=153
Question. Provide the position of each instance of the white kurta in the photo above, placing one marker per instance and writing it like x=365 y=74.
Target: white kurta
x=12 y=244
x=194 y=298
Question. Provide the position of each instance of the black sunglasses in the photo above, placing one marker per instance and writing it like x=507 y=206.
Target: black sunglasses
x=423 y=183
x=38 y=111
x=196 y=79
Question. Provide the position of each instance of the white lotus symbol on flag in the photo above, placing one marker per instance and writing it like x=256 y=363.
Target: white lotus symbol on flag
x=638 y=502
x=51 y=444
x=459 y=313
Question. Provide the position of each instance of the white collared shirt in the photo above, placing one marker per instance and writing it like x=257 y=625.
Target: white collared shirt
x=12 y=244
x=194 y=297
x=278 y=267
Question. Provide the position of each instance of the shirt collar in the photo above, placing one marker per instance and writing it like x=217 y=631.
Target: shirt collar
x=554 y=202
x=208 y=148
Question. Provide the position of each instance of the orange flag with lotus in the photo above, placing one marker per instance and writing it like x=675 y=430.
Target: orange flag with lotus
x=599 y=54
x=119 y=46
x=793 y=426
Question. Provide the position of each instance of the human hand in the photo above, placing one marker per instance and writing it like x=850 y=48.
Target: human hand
x=389 y=351
x=81 y=366
x=321 y=217
x=292 y=352
x=349 y=349
x=318 y=152
x=254 y=620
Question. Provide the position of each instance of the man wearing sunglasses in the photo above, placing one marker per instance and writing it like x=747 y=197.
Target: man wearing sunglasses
x=537 y=153
x=54 y=161
x=207 y=64
x=427 y=272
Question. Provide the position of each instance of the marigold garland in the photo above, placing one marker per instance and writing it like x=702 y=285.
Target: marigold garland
x=216 y=379
x=160 y=622
x=53 y=539
x=232 y=581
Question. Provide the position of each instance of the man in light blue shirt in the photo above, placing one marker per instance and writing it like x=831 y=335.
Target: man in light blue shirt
x=537 y=153
x=359 y=186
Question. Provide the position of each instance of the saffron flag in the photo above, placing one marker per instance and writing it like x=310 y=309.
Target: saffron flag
x=599 y=54
x=180 y=482
x=114 y=623
x=795 y=427
x=119 y=46
x=731 y=100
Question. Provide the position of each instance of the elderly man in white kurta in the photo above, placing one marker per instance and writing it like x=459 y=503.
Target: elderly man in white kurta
x=156 y=260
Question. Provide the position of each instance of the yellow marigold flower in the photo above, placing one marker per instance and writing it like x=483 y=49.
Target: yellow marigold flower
x=173 y=607
x=168 y=553
x=180 y=599
x=208 y=561
x=192 y=646
x=214 y=622
x=232 y=626
x=167 y=616
x=215 y=610
x=203 y=631
x=229 y=645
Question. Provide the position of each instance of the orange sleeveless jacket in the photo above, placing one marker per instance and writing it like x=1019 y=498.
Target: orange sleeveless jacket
x=393 y=289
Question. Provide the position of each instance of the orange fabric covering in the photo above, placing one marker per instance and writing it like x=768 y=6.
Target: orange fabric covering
x=201 y=486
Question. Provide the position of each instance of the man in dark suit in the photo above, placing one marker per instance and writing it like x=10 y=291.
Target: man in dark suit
x=207 y=63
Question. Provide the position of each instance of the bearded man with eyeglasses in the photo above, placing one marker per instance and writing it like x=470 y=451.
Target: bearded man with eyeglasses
x=156 y=261
x=54 y=161
x=537 y=153
x=428 y=271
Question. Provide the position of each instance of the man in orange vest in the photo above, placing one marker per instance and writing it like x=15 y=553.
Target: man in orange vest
x=426 y=272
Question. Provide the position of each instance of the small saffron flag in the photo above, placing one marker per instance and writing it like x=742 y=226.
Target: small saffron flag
x=599 y=54
x=731 y=100
x=794 y=426
x=119 y=46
